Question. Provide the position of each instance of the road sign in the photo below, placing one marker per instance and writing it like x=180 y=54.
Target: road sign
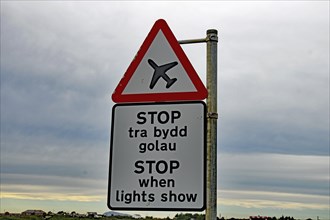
x=158 y=156
x=160 y=71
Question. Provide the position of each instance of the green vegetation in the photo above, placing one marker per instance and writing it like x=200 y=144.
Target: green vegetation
x=10 y=217
x=189 y=216
x=63 y=217
x=58 y=217
x=75 y=216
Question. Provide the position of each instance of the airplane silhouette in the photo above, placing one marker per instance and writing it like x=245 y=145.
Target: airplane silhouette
x=160 y=72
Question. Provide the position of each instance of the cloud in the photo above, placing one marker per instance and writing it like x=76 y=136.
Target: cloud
x=273 y=185
x=252 y=203
x=268 y=80
x=49 y=196
x=262 y=200
x=274 y=173
x=52 y=82
x=273 y=91
x=60 y=157
x=29 y=186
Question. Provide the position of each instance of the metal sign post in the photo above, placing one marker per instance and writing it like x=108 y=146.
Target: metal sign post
x=212 y=116
x=211 y=191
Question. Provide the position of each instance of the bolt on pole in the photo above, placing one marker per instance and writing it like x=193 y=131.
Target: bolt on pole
x=212 y=116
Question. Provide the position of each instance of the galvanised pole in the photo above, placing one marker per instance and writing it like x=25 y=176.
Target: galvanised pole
x=212 y=116
x=211 y=185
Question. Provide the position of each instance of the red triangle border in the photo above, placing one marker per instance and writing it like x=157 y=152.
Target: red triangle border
x=201 y=92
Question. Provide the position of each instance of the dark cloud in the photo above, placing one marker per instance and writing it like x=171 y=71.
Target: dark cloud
x=274 y=173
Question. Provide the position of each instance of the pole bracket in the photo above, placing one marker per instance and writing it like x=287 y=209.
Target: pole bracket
x=212 y=37
x=212 y=115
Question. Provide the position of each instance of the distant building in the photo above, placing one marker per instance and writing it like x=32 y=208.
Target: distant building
x=112 y=213
x=137 y=216
x=34 y=212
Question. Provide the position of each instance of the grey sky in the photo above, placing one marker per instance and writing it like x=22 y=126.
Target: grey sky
x=60 y=62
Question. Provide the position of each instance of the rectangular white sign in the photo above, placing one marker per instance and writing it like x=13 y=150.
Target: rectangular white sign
x=158 y=156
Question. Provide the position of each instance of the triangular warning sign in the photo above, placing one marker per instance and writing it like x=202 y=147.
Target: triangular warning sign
x=160 y=72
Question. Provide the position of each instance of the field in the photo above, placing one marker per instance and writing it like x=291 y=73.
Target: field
x=60 y=217
x=64 y=217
